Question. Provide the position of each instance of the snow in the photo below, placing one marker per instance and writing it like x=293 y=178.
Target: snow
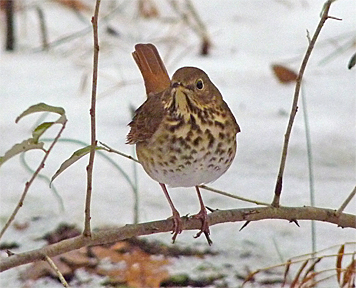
x=248 y=37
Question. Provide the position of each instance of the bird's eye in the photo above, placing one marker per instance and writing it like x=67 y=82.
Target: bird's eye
x=200 y=84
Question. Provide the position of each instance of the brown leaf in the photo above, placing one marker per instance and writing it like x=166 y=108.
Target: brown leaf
x=311 y=269
x=101 y=253
x=120 y=246
x=74 y=4
x=250 y=277
x=42 y=269
x=284 y=74
x=21 y=226
x=349 y=275
x=147 y=9
x=205 y=46
x=340 y=254
x=137 y=268
x=130 y=265
x=296 y=278
x=63 y=231
x=310 y=278
x=145 y=270
x=289 y=262
x=78 y=258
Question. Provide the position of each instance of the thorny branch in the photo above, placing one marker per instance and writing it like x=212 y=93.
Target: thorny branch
x=279 y=182
x=112 y=235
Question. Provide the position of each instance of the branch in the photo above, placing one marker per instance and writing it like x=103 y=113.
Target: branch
x=278 y=187
x=347 y=201
x=56 y=270
x=93 y=143
x=219 y=216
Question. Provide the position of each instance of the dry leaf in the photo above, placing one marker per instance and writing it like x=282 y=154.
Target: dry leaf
x=136 y=268
x=42 y=269
x=289 y=262
x=63 y=231
x=250 y=277
x=205 y=47
x=340 y=254
x=78 y=258
x=284 y=74
x=310 y=278
x=21 y=226
x=296 y=279
x=120 y=246
x=147 y=9
x=74 y=4
x=101 y=253
x=349 y=275
x=311 y=269
x=145 y=271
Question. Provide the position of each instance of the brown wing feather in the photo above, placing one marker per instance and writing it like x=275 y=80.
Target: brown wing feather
x=152 y=68
x=146 y=120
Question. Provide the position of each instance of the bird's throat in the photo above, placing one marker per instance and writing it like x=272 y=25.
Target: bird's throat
x=181 y=104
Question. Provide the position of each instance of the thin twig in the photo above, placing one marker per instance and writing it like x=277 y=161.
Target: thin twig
x=29 y=183
x=346 y=202
x=278 y=187
x=94 y=20
x=233 y=196
x=43 y=27
x=55 y=268
x=109 y=149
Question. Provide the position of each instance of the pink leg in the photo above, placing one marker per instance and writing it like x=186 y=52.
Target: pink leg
x=177 y=221
x=203 y=216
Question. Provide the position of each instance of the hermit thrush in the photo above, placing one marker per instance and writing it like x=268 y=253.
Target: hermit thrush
x=185 y=134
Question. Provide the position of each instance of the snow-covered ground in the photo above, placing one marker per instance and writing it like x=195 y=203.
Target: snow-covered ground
x=247 y=37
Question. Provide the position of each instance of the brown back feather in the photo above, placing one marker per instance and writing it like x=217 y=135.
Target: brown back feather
x=146 y=120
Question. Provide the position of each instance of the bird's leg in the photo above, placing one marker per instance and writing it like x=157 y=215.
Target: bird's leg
x=177 y=221
x=203 y=216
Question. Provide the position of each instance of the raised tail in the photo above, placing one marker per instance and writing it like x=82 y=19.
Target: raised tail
x=152 y=68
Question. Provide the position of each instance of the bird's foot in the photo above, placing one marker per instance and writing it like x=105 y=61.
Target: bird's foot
x=177 y=225
x=203 y=216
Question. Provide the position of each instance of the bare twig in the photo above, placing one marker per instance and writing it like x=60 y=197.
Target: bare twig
x=233 y=196
x=43 y=27
x=94 y=20
x=279 y=182
x=109 y=149
x=29 y=183
x=189 y=223
x=346 y=202
x=55 y=268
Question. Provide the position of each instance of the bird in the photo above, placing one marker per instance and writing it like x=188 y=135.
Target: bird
x=185 y=133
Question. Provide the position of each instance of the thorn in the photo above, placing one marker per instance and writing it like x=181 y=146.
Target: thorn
x=211 y=209
x=243 y=226
x=9 y=253
x=295 y=221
